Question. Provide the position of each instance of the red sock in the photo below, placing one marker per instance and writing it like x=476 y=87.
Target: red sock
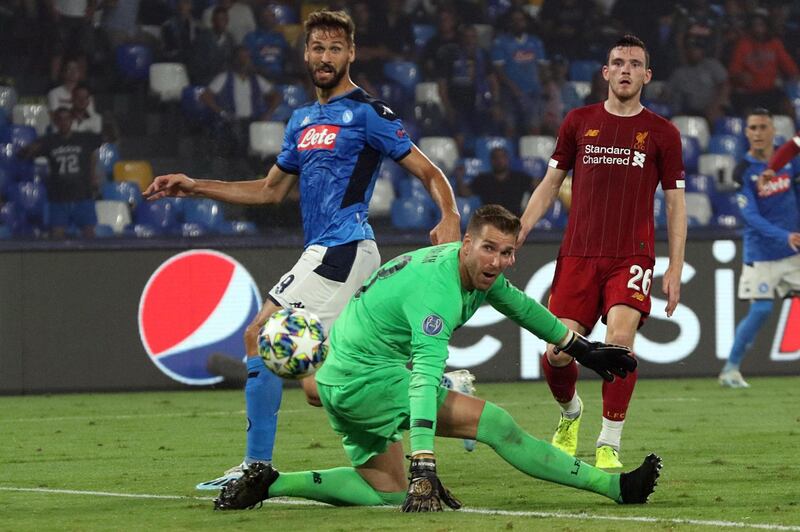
x=617 y=396
x=561 y=380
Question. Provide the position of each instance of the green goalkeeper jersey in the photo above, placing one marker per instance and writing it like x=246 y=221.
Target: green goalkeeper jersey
x=407 y=311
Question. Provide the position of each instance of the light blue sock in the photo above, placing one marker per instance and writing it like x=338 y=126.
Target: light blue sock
x=746 y=331
x=263 y=398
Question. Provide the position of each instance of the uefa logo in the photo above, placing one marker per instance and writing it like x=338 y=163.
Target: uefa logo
x=195 y=304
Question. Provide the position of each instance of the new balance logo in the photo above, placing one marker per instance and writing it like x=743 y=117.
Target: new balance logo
x=638 y=159
x=318 y=138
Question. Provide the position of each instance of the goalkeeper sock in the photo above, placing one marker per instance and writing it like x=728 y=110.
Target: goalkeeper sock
x=561 y=380
x=341 y=486
x=497 y=429
x=617 y=396
x=746 y=331
x=263 y=398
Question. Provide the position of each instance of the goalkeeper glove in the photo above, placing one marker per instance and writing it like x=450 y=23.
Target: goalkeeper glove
x=606 y=360
x=425 y=492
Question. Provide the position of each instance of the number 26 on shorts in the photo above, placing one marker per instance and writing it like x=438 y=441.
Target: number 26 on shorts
x=640 y=279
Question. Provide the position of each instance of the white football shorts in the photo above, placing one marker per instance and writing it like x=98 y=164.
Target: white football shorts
x=768 y=279
x=325 y=278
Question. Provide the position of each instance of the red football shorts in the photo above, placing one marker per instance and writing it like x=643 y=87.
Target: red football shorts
x=585 y=288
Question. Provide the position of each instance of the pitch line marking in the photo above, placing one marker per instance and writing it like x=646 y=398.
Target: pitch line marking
x=480 y=511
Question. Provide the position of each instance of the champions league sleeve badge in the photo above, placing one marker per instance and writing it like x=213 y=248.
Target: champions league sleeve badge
x=432 y=325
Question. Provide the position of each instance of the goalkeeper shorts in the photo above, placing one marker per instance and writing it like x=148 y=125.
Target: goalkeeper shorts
x=370 y=411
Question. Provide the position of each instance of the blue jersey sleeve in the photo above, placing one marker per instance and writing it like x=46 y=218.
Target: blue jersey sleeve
x=288 y=158
x=748 y=205
x=385 y=132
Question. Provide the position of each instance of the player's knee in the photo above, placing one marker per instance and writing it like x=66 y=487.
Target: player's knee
x=497 y=426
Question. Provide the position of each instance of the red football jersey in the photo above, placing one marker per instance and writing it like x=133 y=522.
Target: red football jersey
x=617 y=164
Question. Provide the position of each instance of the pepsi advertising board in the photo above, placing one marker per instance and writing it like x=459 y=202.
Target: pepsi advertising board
x=148 y=319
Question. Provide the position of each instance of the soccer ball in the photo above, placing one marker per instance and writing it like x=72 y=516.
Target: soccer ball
x=292 y=343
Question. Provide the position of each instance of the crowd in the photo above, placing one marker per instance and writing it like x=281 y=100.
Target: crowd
x=499 y=69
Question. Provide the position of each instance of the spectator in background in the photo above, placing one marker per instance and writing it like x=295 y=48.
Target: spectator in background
x=73 y=182
x=501 y=185
x=700 y=87
x=373 y=51
x=467 y=87
x=72 y=32
x=442 y=44
x=757 y=62
x=61 y=96
x=559 y=96
x=179 y=33
x=120 y=21
x=213 y=48
x=268 y=47
x=240 y=18
x=516 y=56
x=238 y=97
x=397 y=28
x=599 y=90
x=562 y=25
x=84 y=117
x=696 y=21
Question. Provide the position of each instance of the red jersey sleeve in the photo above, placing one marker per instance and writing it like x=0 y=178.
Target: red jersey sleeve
x=670 y=162
x=788 y=151
x=566 y=145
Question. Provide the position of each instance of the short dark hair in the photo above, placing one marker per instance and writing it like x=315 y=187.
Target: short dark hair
x=758 y=111
x=628 y=40
x=496 y=216
x=330 y=21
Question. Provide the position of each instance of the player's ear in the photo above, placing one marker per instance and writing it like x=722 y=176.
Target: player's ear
x=648 y=75
x=605 y=72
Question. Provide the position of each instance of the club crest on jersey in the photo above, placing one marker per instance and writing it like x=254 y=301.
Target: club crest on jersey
x=318 y=137
x=641 y=137
x=347 y=116
x=432 y=325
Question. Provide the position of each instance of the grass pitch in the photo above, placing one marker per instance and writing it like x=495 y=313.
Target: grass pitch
x=130 y=461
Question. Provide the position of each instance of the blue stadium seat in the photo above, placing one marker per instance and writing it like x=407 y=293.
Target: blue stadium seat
x=12 y=217
x=792 y=89
x=583 y=70
x=535 y=167
x=472 y=167
x=195 y=111
x=691 y=153
x=133 y=61
x=103 y=231
x=700 y=183
x=285 y=14
x=466 y=208
x=422 y=34
x=140 y=231
x=127 y=191
x=659 y=108
x=485 y=145
x=107 y=155
x=205 y=212
x=5 y=181
x=161 y=215
x=5 y=232
x=8 y=99
x=555 y=219
x=411 y=213
x=726 y=209
x=659 y=209
x=729 y=125
x=21 y=136
x=735 y=145
x=193 y=230
x=404 y=73
x=31 y=198
x=234 y=228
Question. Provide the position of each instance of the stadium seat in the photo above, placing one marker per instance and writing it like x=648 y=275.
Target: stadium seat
x=734 y=145
x=698 y=209
x=719 y=168
x=206 y=212
x=160 y=215
x=541 y=146
x=266 y=138
x=31 y=199
x=127 y=191
x=167 y=80
x=583 y=70
x=427 y=92
x=659 y=108
x=140 y=231
x=700 y=183
x=443 y=151
x=403 y=73
x=466 y=208
x=485 y=145
x=139 y=171
x=133 y=61
x=113 y=213
x=784 y=126
x=107 y=157
x=485 y=35
x=535 y=167
x=284 y=14
x=659 y=209
x=236 y=228
x=690 y=148
x=192 y=106
x=555 y=219
x=380 y=206
x=726 y=209
x=32 y=114
x=8 y=99
x=472 y=167
x=729 y=125
x=412 y=213
x=103 y=231
x=21 y=136
x=293 y=95
x=693 y=126
x=13 y=218
x=582 y=88
x=192 y=230
x=291 y=32
x=422 y=34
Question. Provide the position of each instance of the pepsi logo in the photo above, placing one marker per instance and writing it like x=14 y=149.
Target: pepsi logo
x=318 y=138
x=196 y=303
